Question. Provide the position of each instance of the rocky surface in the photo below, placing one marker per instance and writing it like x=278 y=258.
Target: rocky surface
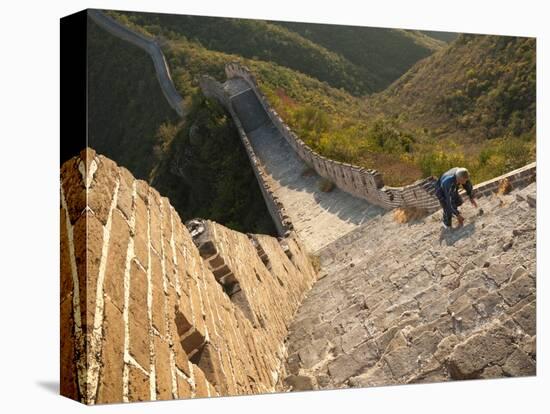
x=401 y=303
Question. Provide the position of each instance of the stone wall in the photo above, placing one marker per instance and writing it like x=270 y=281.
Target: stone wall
x=517 y=178
x=213 y=89
x=150 y=310
x=151 y=47
x=367 y=183
x=411 y=303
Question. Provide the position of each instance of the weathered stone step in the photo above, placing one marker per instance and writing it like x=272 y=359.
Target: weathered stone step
x=400 y=302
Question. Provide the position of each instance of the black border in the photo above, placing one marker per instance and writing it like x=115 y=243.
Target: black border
x=73 y=84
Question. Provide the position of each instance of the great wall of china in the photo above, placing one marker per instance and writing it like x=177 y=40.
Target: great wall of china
x=149 y=313
x=153 y=50
x=279 y=159
x=152 y=308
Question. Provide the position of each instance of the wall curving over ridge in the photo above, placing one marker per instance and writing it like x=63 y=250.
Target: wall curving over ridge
x=367 y=184
x=213 y=89
x=360 y=182
x=151 y=47
x=290 y=190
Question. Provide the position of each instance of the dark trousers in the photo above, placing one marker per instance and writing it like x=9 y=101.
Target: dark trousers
x=447 y=212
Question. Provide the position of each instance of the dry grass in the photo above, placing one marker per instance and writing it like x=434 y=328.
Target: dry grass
x=315 y=262
x=396 y=172
x=504 y=186
x=407 y=214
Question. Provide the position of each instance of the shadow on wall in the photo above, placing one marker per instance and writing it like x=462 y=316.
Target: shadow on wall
x=451 y=237
x=286 y=167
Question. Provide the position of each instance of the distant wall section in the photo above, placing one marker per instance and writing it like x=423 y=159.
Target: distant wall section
x=151 y=47
x=213 y=89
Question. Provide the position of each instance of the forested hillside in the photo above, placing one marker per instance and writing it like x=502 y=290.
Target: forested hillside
x=386 y=53
x=478 y=94
x=205 y=173
x=443 y=36
x=128 y=116
x=470 y=103
x=358 y=59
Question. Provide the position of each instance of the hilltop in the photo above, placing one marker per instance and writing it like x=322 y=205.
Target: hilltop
x=481 y=84
x=385 y=53
x=475 y=100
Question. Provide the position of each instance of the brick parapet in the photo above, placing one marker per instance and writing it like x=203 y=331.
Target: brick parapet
x=213 y=89
x=143 y=315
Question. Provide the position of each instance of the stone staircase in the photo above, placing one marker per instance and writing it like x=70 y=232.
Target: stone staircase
x=401 y=303
x=318 y=217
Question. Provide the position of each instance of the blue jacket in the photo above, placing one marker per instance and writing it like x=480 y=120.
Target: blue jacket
x=448 y=189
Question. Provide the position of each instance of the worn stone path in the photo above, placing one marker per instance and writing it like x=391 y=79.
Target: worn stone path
x=318 y=217
x=411 y=303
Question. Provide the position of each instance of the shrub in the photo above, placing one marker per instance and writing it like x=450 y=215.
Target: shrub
x=315 y=262
x=408 y=214
x=438 y=161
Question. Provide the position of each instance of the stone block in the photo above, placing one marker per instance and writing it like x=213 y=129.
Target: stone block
x=138 y=385
x=343 y=367
x=184 y=388
x=68 y=385
x=112 y=356
x=354 y=337
x=208 y=360
x=201 y=388
x=460 y=303
x=489 y=305
x=526 y=317
x=138 y=319
x=518 y=290
x=141 y=244
x=493 y=371
x=116 y=259
x=486 y=348
x=313 y=353
x=427 y=342
x=300 y=382
x=155 y=223
x=519 y=364
x=124 y=198
x=499 y=273
x=142 y=190
x=73 y=189
x=66 y=277
x=102 y=188
x=163 y=369
x=403 y=361
x=88 y=245
x=158 y=304
x=366 y=354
